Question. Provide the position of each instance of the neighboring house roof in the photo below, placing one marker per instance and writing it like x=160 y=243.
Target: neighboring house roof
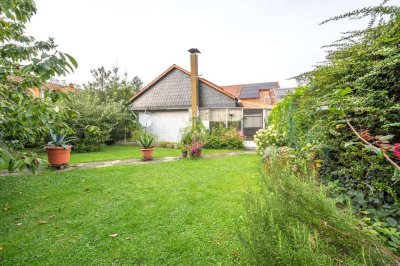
x=250 y=91
x=172 y=90
x=233 y=89
x=253 y=90
x=49 y=86
x=255 y=94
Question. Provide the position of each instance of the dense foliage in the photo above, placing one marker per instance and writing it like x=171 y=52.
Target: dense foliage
x=110 y=87
x=102 y=115
x=359 y=86
x=292 y=221
x=221 y=137
x=31 y=63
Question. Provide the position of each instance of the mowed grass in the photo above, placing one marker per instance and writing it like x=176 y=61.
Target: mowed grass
x=176 y=213
x=118 y=152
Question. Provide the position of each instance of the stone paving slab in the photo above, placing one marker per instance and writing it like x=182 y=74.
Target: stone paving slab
x=102 y=164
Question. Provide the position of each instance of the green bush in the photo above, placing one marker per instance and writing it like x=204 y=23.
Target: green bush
x=195 y=132
x=359 y=84
x=269 y=137
x=94 y=120
x=292 y=221
x=221 y=137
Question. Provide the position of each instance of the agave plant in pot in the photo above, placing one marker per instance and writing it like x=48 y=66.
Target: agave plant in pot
x=146 y=142
x=58 y=150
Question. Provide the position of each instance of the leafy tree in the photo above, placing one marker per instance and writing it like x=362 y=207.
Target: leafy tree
x=103 y=115
x=111 y=87
x=32 y=63
x=94 y=120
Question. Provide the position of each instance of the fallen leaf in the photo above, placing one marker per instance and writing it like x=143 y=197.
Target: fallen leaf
x=1 y=248
x=6 y=207
x=235 y=254
x=19 y=224
x=127 y=238
x=42 y=222
x=114 y=235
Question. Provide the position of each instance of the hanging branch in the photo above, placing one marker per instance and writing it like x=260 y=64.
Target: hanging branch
x=395 y=165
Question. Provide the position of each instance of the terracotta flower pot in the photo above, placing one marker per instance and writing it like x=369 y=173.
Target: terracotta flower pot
x=198 y=153
x=58 y=156
x=147 y=154
x=184 y=154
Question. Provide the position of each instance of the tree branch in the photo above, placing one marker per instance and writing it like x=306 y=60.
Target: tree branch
x=387 y=158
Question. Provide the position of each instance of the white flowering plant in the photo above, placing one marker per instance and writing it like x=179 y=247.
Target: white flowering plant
x=268 y=137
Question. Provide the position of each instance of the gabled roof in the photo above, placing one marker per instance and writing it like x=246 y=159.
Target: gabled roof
x=171 y=68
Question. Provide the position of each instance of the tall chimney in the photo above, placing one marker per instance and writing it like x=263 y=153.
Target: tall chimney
x=194 y=73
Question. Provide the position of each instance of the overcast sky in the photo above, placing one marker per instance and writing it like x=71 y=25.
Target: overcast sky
x=244 y=41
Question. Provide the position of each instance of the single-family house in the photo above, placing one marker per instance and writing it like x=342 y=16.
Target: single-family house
x=169 y=102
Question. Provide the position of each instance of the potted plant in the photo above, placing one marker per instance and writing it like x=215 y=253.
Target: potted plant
x=58 y=150
x=195 y=150
x=146 y=142
x=184 y=151
x=199 y=149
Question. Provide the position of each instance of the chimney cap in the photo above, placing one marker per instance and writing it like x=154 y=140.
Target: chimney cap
x=194 y=51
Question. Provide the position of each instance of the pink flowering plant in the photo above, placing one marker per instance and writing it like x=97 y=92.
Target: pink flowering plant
x=196 y=147
x=396 y=150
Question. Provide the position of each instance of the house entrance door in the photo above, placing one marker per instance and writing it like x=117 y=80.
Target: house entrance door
x=252 y=121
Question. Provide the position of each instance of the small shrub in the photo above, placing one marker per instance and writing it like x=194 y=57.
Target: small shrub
x=194 y=132
x=268 y=137
x=224 y=138
x=165 y=144
x=293 y=222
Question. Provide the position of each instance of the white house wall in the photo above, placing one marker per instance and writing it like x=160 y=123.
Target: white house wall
x=166 y=125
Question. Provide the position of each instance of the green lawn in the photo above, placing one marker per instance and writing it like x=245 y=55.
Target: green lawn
x=176 y=213
x=117 y=152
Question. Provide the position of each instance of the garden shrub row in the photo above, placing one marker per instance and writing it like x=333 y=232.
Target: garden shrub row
x=359 y=86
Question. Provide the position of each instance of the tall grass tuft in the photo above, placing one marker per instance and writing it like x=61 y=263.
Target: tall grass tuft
x=291 y=221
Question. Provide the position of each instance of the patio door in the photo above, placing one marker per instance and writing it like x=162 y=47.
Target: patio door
x=252 y=121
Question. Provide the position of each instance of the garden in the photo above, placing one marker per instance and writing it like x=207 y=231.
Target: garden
x=321 y=189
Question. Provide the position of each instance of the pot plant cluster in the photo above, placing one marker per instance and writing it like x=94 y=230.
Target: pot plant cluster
x=192 y=138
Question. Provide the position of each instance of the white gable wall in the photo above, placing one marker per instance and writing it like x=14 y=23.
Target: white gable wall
x=166 y=125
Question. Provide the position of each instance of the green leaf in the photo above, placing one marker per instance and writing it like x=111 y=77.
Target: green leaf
x=391 y=221
x=350 y=143
x=72 y=60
